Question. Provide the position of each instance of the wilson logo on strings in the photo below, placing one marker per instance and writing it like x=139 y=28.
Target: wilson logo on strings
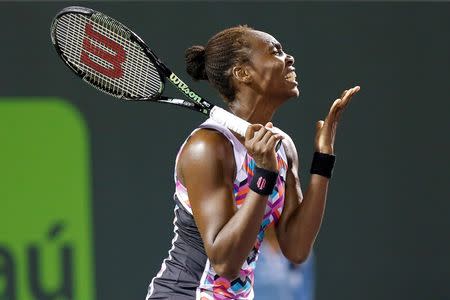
x=115 y=60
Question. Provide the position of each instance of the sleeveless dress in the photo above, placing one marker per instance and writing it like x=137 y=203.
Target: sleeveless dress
x=187 y=272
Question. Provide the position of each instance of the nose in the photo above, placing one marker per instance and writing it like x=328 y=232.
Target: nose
x=289 y=60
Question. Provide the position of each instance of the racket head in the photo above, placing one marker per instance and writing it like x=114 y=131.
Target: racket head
x=107 y=55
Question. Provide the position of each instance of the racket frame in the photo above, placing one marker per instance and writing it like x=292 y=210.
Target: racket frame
x=195 y=102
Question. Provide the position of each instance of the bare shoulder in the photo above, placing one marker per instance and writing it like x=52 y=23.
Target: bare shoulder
x=206 y=150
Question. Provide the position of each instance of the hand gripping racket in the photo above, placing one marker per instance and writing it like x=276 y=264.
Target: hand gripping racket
x=112 y=58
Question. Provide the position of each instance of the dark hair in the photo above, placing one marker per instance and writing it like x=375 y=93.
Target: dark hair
x=214 y=61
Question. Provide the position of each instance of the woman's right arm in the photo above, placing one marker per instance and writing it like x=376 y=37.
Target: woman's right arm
x=207 y=169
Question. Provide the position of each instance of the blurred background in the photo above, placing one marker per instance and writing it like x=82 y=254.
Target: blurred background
x=86 y=181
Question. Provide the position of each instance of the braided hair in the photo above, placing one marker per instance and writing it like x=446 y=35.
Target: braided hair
x=214 y=62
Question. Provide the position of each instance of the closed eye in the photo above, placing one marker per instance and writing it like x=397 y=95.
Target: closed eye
x=278 y=51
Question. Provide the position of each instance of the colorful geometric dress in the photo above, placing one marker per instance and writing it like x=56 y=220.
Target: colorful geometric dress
x=187 y=272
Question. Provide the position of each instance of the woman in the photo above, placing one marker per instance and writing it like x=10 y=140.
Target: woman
x=229 y=188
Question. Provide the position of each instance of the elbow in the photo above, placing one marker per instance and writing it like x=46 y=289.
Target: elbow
x=296 y=253
x=299 y=257
x=227 y=270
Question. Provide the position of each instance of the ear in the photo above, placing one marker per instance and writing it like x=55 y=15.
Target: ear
x=242 y=74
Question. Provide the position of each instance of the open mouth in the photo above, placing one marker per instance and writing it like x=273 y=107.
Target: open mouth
x=291 y=77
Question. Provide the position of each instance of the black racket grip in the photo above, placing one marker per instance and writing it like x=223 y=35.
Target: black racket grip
x=277 y=147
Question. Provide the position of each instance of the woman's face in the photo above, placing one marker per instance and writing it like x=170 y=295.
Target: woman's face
x=271 y=69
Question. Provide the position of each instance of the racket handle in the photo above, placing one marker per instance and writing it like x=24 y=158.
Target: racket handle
x=232 y=122
x=229 y=120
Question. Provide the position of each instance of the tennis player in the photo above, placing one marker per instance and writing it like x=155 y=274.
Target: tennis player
x=229 y=188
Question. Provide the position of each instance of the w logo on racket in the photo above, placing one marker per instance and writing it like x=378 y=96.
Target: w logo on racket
x=104 y=62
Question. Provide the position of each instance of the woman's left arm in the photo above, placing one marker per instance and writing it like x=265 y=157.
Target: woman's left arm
x=301 y=218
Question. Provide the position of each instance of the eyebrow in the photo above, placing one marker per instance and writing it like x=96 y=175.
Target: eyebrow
x=276 y=45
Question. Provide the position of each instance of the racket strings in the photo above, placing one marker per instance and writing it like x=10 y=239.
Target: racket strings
x=140 y=79
x=111 y=28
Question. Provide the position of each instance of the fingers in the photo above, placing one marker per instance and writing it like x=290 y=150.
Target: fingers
x=253 y=136
x=332 y=114
x=257 y=137
x=340 y=103
x=319 y=125
x=250 y=132
x=260 y=134
x=335 y=106
x=347 y=95
x=273 y=140
x=257 y=132
x=326 y=130
x=266 y=137
x=260 y=142
x=268 y=133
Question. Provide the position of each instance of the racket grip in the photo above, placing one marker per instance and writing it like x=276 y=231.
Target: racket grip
x=232 y=122
x=229 y=120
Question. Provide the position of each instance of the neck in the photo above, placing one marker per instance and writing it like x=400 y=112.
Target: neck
x=255 y=109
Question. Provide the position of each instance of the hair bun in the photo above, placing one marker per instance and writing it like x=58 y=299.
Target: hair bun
x=195 y=62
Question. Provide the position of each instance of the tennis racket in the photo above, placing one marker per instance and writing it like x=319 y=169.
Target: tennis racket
x=113 y=59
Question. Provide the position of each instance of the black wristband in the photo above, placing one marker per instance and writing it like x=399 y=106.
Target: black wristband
x=263 y=181
x=322 y=164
